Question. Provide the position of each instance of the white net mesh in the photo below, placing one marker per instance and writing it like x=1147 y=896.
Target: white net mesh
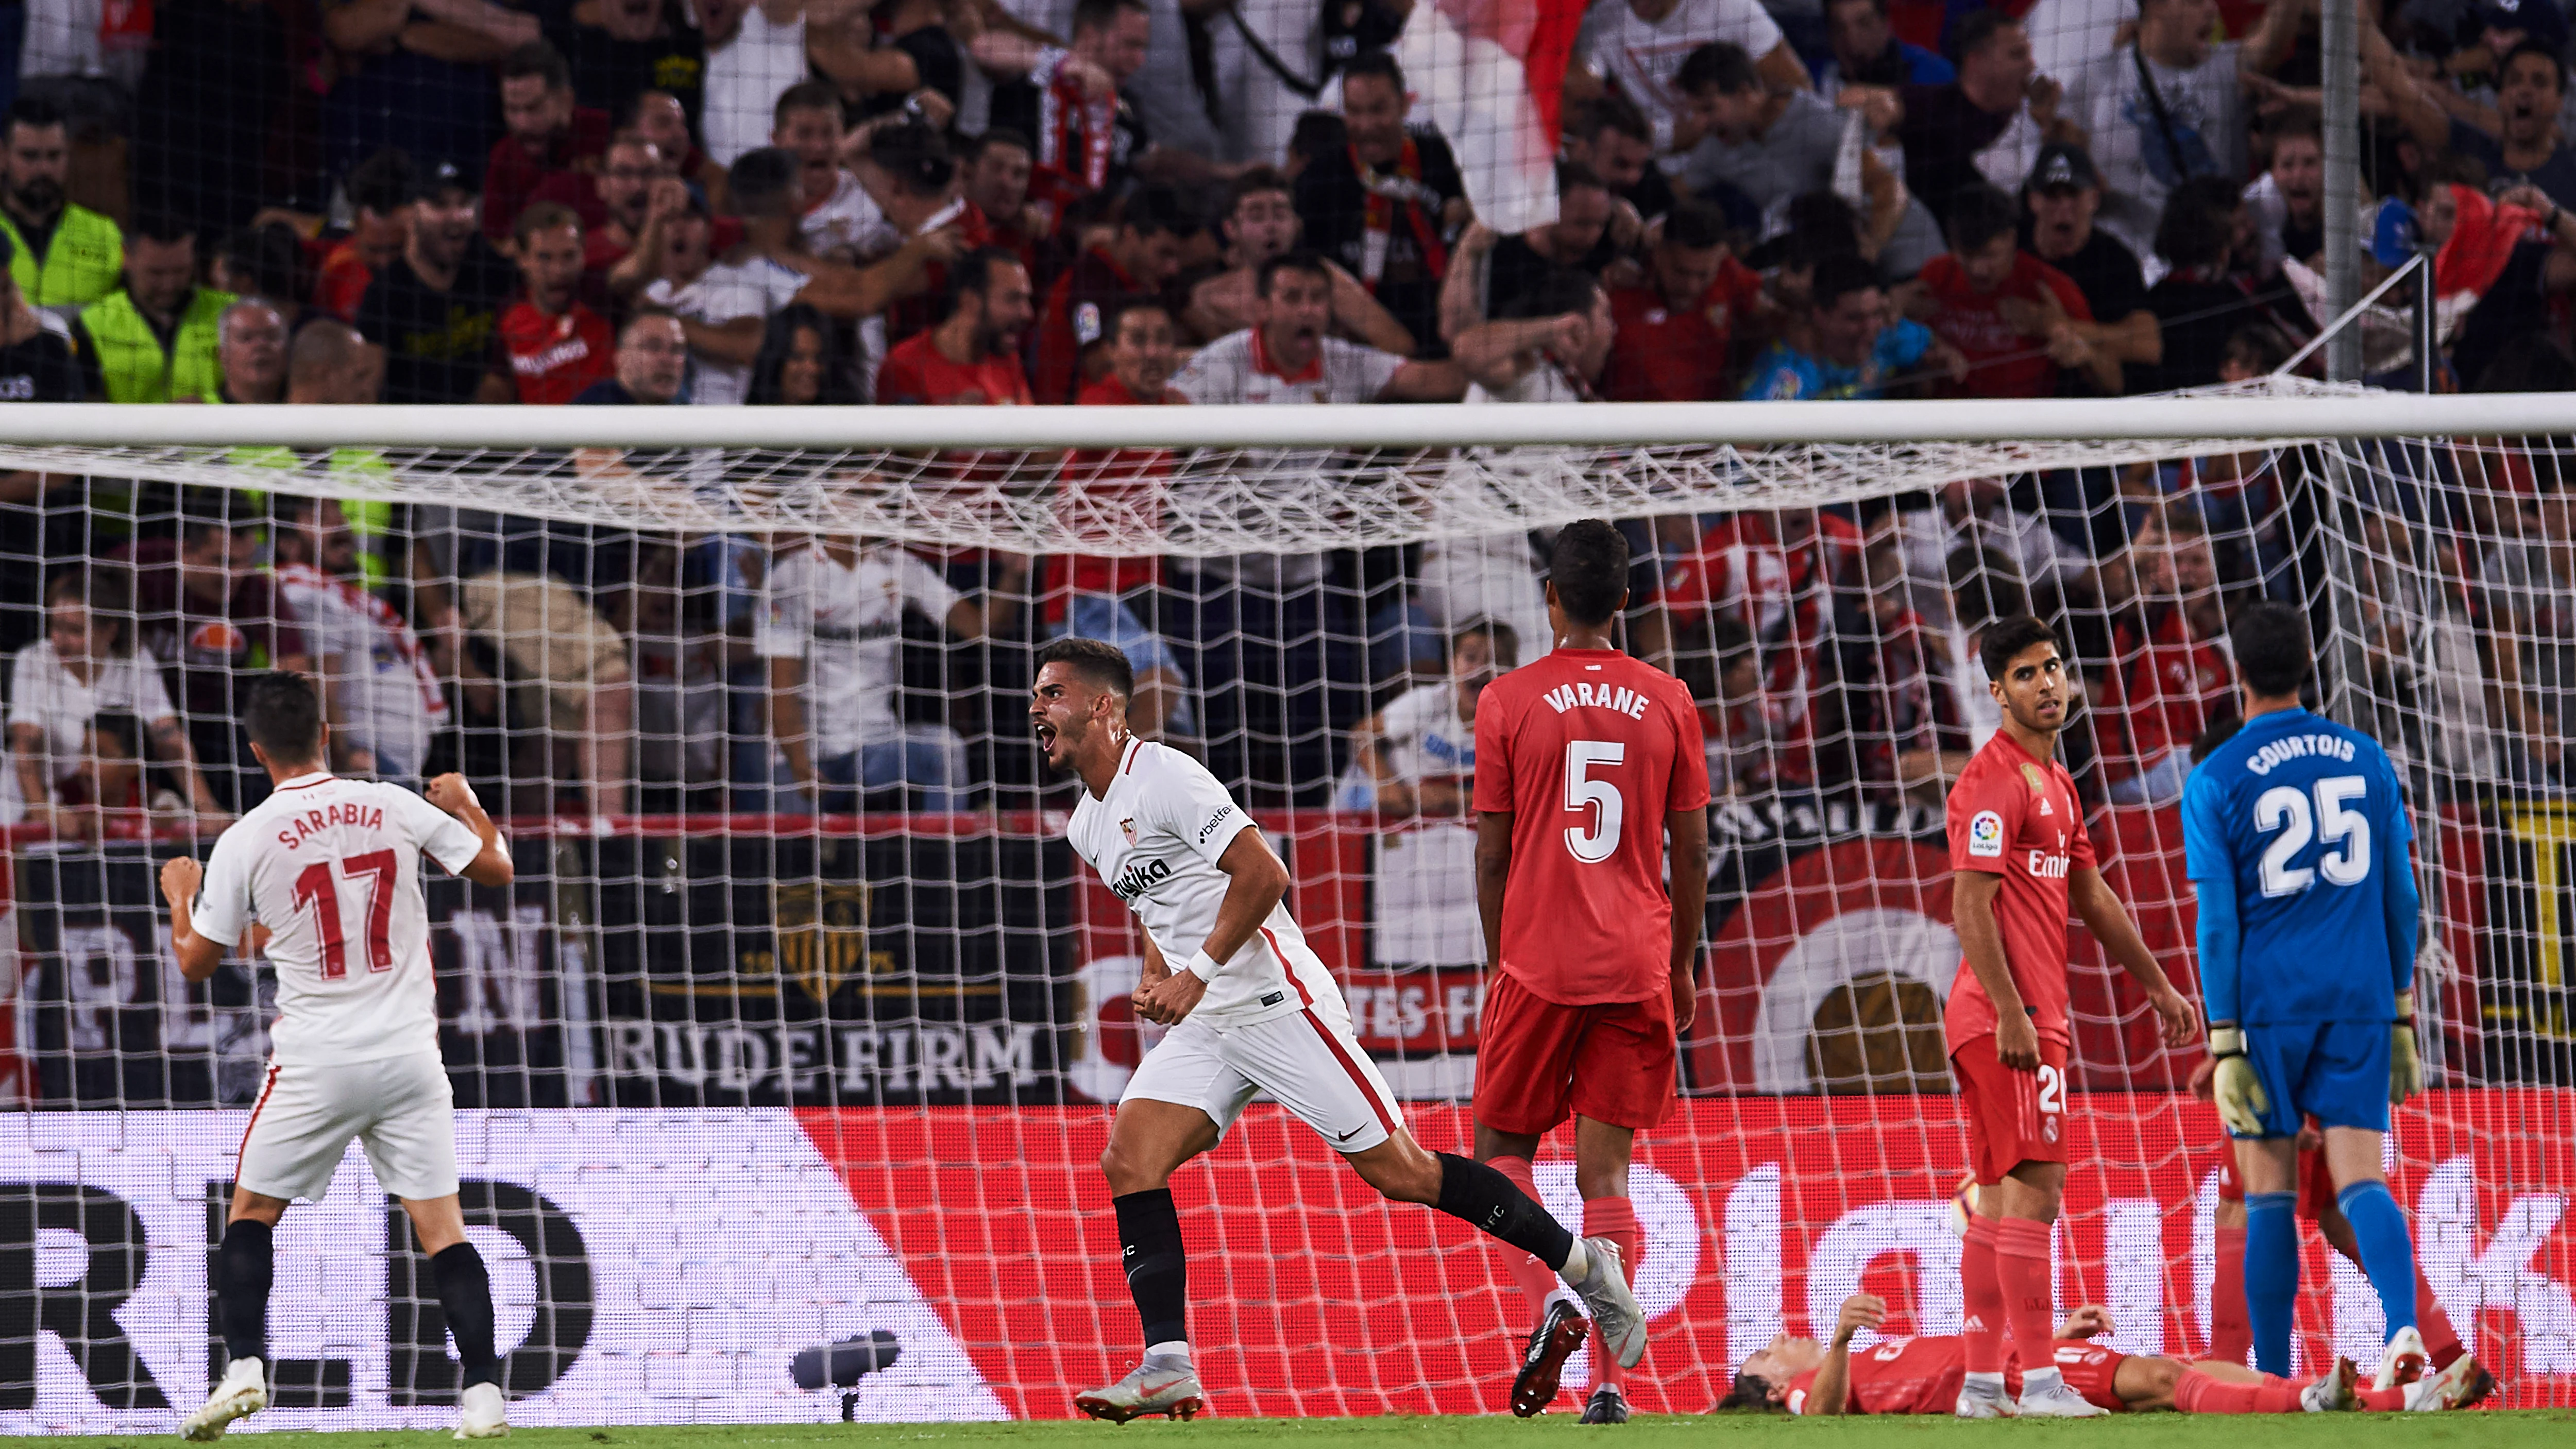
x=753 y=720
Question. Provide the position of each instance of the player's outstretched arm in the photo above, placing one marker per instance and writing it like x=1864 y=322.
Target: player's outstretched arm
x=1830 y=1394
x=2098 y=906
x=1256 y=882
x=493 y=867
x=1689 y=888
x=198 y=957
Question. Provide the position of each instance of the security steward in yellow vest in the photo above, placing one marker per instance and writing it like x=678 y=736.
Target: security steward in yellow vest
x=157 y=339
x=66 y=256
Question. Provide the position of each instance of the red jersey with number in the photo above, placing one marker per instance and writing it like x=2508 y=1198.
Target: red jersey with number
x=1588 y=750
x=555 y=357
x=1903 y=1376
x=2017 y=817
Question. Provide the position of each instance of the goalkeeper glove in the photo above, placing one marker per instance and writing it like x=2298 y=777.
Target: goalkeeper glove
x=2405 y=1068
x=2241 y=1103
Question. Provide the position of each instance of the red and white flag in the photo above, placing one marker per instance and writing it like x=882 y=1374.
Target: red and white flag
x=1489 y=73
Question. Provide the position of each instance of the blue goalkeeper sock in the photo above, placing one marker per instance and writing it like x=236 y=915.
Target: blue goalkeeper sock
x=2272 y=1276
x=2387 y=1253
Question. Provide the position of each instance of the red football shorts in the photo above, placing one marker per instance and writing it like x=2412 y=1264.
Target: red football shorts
x=2013 y=1116
x=2316 y=1180
x=1538 y=1062
x=2092 y=1372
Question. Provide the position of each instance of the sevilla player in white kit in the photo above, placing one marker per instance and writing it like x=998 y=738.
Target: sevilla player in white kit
x=327 y=871
x=1251 y=1009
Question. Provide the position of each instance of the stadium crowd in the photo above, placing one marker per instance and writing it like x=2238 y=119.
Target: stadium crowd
x=1124 y=202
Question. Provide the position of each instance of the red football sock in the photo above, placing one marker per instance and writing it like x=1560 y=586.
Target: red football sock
x=1536 y=1279
x=1983 y=1290
x=2442 y=1346
x=1614 y=1218
x=2023 y=1269
x=2200 y=1393
x=2231 y=1333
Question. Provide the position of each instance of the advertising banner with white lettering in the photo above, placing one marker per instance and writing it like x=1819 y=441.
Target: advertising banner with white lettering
x=666 y=1266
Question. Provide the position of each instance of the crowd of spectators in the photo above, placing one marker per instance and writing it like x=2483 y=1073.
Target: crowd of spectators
x=1158 y=202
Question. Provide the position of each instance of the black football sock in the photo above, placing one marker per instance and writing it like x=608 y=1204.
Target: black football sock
x=247 y=1264
x=1487 y=1200
x=1158 y=1266
x=465 y=1292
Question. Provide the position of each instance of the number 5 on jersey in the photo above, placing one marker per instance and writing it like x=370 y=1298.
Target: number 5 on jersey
x=1598 y=839
x=314 y=886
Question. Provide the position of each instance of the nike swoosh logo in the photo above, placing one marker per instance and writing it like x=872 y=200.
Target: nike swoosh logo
x=1354 y=1132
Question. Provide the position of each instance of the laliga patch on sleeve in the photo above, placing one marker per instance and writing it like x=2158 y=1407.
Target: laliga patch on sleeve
x=1986 y=835
x=1086 y=323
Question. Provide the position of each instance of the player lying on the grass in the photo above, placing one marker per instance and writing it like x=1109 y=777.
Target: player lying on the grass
x=1586 y=761
x=2295 y=832
x=1923 y=1376
x=329 y=870
x=1251 y=1009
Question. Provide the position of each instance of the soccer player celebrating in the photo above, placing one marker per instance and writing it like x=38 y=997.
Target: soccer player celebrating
x=328 y=870
x=1251 y=1009
x=1584 y=761
x=2295 y=834
x=2021 y=858
x=1923 y=1376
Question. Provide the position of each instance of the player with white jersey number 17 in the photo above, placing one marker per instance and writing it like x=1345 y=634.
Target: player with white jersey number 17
x=1252 y=1009
x=323 y=877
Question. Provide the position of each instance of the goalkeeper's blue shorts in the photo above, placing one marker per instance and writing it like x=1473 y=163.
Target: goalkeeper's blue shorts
x=2334 y=1071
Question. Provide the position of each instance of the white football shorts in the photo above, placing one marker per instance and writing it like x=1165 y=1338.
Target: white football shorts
x=401 y=1108
x=1307 y=1061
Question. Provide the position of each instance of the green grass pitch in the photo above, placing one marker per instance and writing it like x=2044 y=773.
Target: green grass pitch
x=2554 y=1428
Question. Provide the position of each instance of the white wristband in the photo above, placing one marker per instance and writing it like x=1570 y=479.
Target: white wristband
x=1203 y=965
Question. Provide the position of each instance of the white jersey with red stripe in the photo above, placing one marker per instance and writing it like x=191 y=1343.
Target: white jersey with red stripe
x=332 y=868
x=1156 y=839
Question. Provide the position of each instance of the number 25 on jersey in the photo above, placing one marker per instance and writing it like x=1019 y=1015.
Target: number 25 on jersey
x=2335 y=818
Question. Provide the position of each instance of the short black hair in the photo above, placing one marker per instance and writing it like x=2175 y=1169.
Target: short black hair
x=761 y=181
x=2220 y=729
x=119 y=728
x=1101 y=14
x=973 y=272
x=2529 y=46
x=1722 y=66
x=1975 y=30
x=1376 y=63
x=2270 y=641
x=2008 y=637
x=1114 y=317
x=1694 y=225
x=2199 y=222
x=1838 y=276
x=537 y=58
x=283 y=714
x=1978 y=214
x=1156 y=209
x=915 y=155
x=1296 y=259
x=1012 y=136
x=1609 y=111
x=1589 y=567
x=1101 y=664
x=1505 y=639
x=1557 y=291
x=382 y=183
x=1749 y=1391
x=158 y=226
x=34 y=111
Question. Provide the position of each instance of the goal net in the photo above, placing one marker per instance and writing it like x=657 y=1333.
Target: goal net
x=801 y=1020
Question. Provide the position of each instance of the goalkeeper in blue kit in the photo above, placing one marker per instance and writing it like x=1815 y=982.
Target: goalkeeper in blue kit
x=2296 y=836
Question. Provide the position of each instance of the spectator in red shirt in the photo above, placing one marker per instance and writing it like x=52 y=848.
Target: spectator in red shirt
x=548 y=134
x=972 y=358
x=2011 y=315
x=557 y=346
x=380 y=193
x=1676 y=330
x=1111 y=598
x=2168 y=671
x=996 y=174
x=1139 y=259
